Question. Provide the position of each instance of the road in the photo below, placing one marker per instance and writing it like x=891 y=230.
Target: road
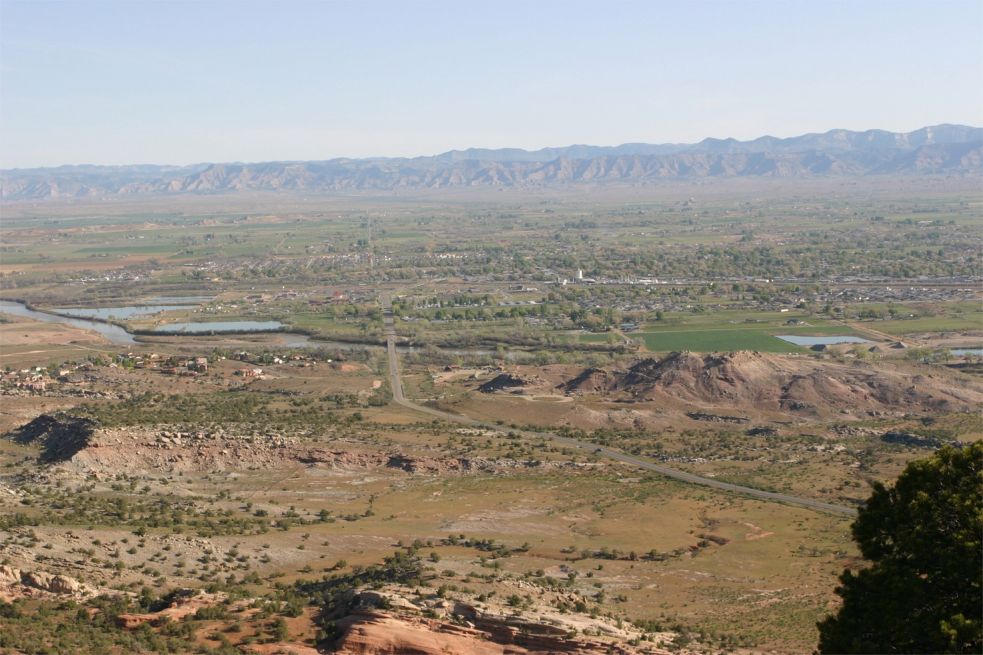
x=396 y=382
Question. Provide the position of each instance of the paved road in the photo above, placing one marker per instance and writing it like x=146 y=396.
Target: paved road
x=397 y=388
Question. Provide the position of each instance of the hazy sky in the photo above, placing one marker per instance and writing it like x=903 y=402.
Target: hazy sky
x=183 y=82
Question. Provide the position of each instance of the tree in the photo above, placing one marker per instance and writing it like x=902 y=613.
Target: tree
x=279 y=629
x=922 y=593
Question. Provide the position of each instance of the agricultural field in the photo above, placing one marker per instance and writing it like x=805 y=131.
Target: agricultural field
x=736 y=330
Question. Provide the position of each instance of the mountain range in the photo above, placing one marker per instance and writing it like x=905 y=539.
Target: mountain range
x=935 y=150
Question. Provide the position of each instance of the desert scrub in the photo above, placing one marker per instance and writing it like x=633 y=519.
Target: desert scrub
x=215 y=409
x=176 y=515
x=67 y=628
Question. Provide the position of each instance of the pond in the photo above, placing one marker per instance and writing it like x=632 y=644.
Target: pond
x=962 y=352
x=181 y=300
x=113 y=333
x=219 y=326
x=820 y=341
x=118 y=313
x=117 y=335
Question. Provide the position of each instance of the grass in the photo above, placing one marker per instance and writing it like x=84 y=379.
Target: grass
x=160 y=248
x=329 y=326
x=971 y=321
x=716 y=340
x=734 y=330
x=599 y=337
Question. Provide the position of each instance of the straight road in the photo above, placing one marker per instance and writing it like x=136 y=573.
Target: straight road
x=396 y=383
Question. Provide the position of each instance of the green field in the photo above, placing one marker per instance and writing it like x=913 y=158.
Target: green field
x=130 y=249
x=716 y=340
x=733 y=330
x=970 y=321
x=599 y=337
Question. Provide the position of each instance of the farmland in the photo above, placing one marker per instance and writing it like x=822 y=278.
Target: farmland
x=736 y=330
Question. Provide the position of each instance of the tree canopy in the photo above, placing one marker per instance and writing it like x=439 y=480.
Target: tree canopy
x=922 y=592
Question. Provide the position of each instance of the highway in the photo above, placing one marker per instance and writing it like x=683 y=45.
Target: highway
x=396 y=383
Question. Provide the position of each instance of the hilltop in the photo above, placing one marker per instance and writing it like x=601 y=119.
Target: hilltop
x=759 y=382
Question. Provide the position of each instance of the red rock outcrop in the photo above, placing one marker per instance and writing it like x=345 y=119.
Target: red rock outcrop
x=371 y=632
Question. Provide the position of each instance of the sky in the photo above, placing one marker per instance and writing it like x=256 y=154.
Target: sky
x=164 y=82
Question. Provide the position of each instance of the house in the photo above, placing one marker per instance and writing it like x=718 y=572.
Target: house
x=250 y=372
x=34 y=385
x=31 y=382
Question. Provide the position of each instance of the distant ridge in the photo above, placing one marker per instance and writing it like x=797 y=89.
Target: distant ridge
x=940 y=149
x=833 y=141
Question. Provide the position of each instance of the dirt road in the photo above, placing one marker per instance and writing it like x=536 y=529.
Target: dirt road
x=397 y=389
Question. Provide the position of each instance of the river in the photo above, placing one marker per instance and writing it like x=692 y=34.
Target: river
x=113 y=333
x=119 y=336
